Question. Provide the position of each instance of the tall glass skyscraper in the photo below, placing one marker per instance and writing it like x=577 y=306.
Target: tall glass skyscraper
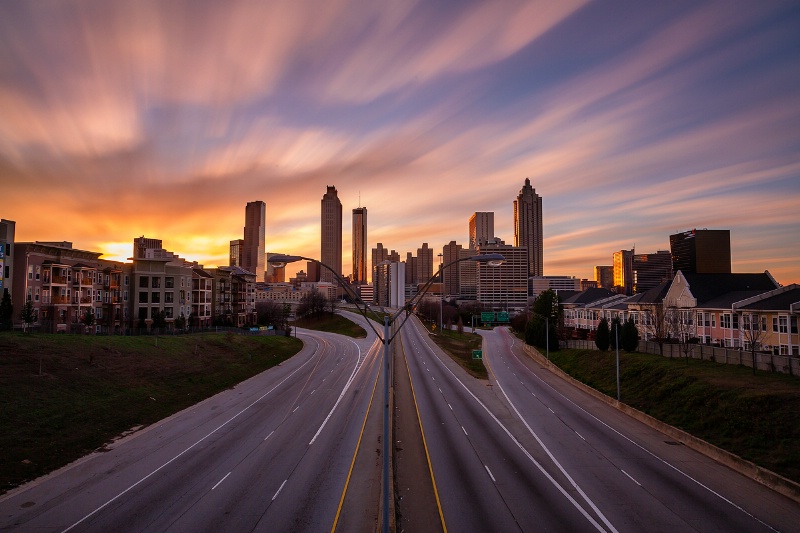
x=252 y=251
x=360 y=245
x=528 y=226
x=331 y=235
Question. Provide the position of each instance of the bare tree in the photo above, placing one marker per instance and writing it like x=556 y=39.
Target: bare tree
x=654 y=320
x=312 y=304
x=753 y=333
x=681 y=328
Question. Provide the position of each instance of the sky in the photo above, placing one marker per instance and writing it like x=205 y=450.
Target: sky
x=633 y=120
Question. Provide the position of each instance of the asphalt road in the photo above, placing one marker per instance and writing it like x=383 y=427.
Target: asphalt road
x=272 y=454
x=527 y=451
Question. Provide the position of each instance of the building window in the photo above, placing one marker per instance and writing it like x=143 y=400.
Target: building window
x=38 y=273
x=784 y=349
x=30 y=271
x=169 y=282
x=793 y=323
x=726 y=322
x=124 y=296
x=156 y=298
x=783 y=324
x=168 y=297
x=142 y=297
x=98 y=313
x=156 y=283
x=167 y=312
x=144 y=282
x=126 y=280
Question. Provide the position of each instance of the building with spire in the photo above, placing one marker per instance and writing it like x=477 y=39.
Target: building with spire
x=528 y=226
x=253 y=250
x=331 y=235
x=360 y=245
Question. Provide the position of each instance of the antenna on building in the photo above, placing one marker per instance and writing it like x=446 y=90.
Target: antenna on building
x=359 y=198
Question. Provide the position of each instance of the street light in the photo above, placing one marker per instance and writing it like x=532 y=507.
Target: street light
x=493 y=260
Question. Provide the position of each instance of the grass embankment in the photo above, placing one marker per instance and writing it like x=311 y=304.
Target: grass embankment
x=332 y=323
x=92 y=389
x=460 y=347
x=752 y=416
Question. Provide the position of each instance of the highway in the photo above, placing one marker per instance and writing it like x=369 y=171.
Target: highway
x=527 y=451
x=272 y=454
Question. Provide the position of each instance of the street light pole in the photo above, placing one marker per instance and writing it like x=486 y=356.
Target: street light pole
x=490 y=259
x=441 y=293
x=616 y=343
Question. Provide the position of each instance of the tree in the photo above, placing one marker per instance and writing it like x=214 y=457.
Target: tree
x=159 y=319
x=88 y=318
x=180 y=323
x=460 y=326
x=272 y=313
x=28 y=315
x=753 y=334
x=312 y=304
x=541 y=330
x=601 y=336
x=682 y=329
x=654 y=320
x=630 y=336
x=6 y=311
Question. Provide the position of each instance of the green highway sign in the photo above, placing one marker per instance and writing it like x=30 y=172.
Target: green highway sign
x=477 y=354
x=487 y=317
x=502 y=316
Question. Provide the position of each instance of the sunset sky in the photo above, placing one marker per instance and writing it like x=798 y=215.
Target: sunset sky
x=633 y=120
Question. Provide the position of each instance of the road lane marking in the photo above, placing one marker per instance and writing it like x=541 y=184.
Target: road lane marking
x=490 y=474
x=630 y=476
x=450 y=406
x=231 y=419
x=652 y=454
x=220 y=481
x=355 y=453
x=578 y=434
x=551 y=410
x=536 y=463
x=270 y=434
x=312 y=392
x=356 y=368
x=427 y=453
x=296 y=408
x=280 y=489
x=465 y=431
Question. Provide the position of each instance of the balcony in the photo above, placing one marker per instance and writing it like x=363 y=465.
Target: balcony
x=54 y=280
x=62 y=300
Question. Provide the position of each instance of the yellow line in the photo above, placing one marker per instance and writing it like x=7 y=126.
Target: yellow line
x=425 y=445
x=355 y=453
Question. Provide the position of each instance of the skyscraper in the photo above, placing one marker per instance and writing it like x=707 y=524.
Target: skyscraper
x=623 y=271
x=331 y=235
x=701 y=251
x=528 y=226
x=451 y=252
x=253 y=252
x=235 y=259
x=481 y=228
x=379 y=255
x=360 y=245
x=424 y=263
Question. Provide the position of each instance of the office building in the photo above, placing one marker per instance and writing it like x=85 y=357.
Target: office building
x=359 y=245
x=331 y=236
x=701 y=251
x=650 y=270
x=503 y=287
x=623 y=271
x=450 y=253
x=411 y=269
x=481 y=228
x=467 y=275
x=604 y=276
x=424 y=263
x=6 y=256
x=274 y=274
x=389 y=285
x=540 y=284
x=236 y=249
x=528 y=226
x=379 y=255
x=253 y=249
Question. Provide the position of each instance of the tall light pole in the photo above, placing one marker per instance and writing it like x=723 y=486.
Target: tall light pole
x=279 y=260
x=441 y=293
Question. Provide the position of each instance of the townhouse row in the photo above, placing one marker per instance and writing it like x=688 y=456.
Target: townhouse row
x=727 y=310
x=64 y=285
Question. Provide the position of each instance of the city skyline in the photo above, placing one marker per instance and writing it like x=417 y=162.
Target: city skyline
x=138 y=119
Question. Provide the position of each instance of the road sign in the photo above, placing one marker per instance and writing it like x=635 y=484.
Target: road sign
x=487 y=317
x=477 y=354
x=502 y=316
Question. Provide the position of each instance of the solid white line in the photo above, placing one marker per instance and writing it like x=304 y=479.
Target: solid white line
x=220 y=481
x=270 y=434
x=450 y=406
x=280 y=489
x=675 y=468
x=357 y=366
x=578 y=434
x=630 y=476
x=551 y=410
x=465 y=431
x=490 y=473
x=115 y=498
x=536 y=463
